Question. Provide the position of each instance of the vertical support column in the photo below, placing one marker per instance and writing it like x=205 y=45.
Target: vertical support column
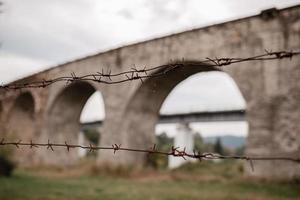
x=259 y=142
x=273 y=132
x=184 y=138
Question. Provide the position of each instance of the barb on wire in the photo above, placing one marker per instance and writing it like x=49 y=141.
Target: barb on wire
x=49 y=146
x=174 y=151
x=91 y=148
x=140 y=74
x=32 y=145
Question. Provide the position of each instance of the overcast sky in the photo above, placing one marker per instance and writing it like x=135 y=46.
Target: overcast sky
x=36 y=34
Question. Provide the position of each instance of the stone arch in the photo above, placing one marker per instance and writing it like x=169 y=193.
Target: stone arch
x=142 y=112
x=145 y=104
x=63 y=124
x=21 y=126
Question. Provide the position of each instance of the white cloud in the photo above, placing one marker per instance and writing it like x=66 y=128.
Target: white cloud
x=16 y=66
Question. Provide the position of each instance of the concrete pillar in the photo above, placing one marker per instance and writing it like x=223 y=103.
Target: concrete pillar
x=273 y=133
x=82 y=141
x=184 y=138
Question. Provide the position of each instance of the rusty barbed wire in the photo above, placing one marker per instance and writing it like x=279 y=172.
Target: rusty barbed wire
x=174 y=151
x=140 y=74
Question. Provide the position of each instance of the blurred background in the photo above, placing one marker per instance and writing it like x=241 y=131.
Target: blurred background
x=38 y=34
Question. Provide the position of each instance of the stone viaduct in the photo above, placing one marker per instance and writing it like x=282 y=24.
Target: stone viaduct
x=270 y=88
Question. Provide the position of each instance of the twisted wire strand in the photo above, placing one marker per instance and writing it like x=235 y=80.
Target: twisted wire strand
x=174 y=151
x=143 y=73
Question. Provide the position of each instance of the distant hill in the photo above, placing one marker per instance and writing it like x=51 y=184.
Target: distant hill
x=229 y=141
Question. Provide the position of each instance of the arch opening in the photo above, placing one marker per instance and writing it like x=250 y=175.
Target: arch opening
x=67 y=117
x=204 y=112
x=91 y=120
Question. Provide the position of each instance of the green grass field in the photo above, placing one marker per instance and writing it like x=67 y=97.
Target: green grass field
x=196 y=181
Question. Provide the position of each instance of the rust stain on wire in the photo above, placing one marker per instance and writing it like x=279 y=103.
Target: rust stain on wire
x=140 y=74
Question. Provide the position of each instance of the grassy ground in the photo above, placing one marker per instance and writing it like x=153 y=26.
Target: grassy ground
x=204 y=181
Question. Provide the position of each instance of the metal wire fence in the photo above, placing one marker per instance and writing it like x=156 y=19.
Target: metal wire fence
x=174 y=151
x=140 y=74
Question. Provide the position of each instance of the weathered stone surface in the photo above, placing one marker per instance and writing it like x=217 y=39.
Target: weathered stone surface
x=271 y=90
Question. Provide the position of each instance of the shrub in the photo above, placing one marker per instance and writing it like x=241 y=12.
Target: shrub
x=6 y=166
x=163 y=143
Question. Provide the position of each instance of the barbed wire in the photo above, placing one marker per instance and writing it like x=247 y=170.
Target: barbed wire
x=140 y=74
x=174 y=151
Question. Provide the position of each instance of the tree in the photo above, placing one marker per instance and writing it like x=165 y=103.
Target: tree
x=240 y=150
x=218 y=148
x=92 y=135
x=199 y=145
x=163 y=143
